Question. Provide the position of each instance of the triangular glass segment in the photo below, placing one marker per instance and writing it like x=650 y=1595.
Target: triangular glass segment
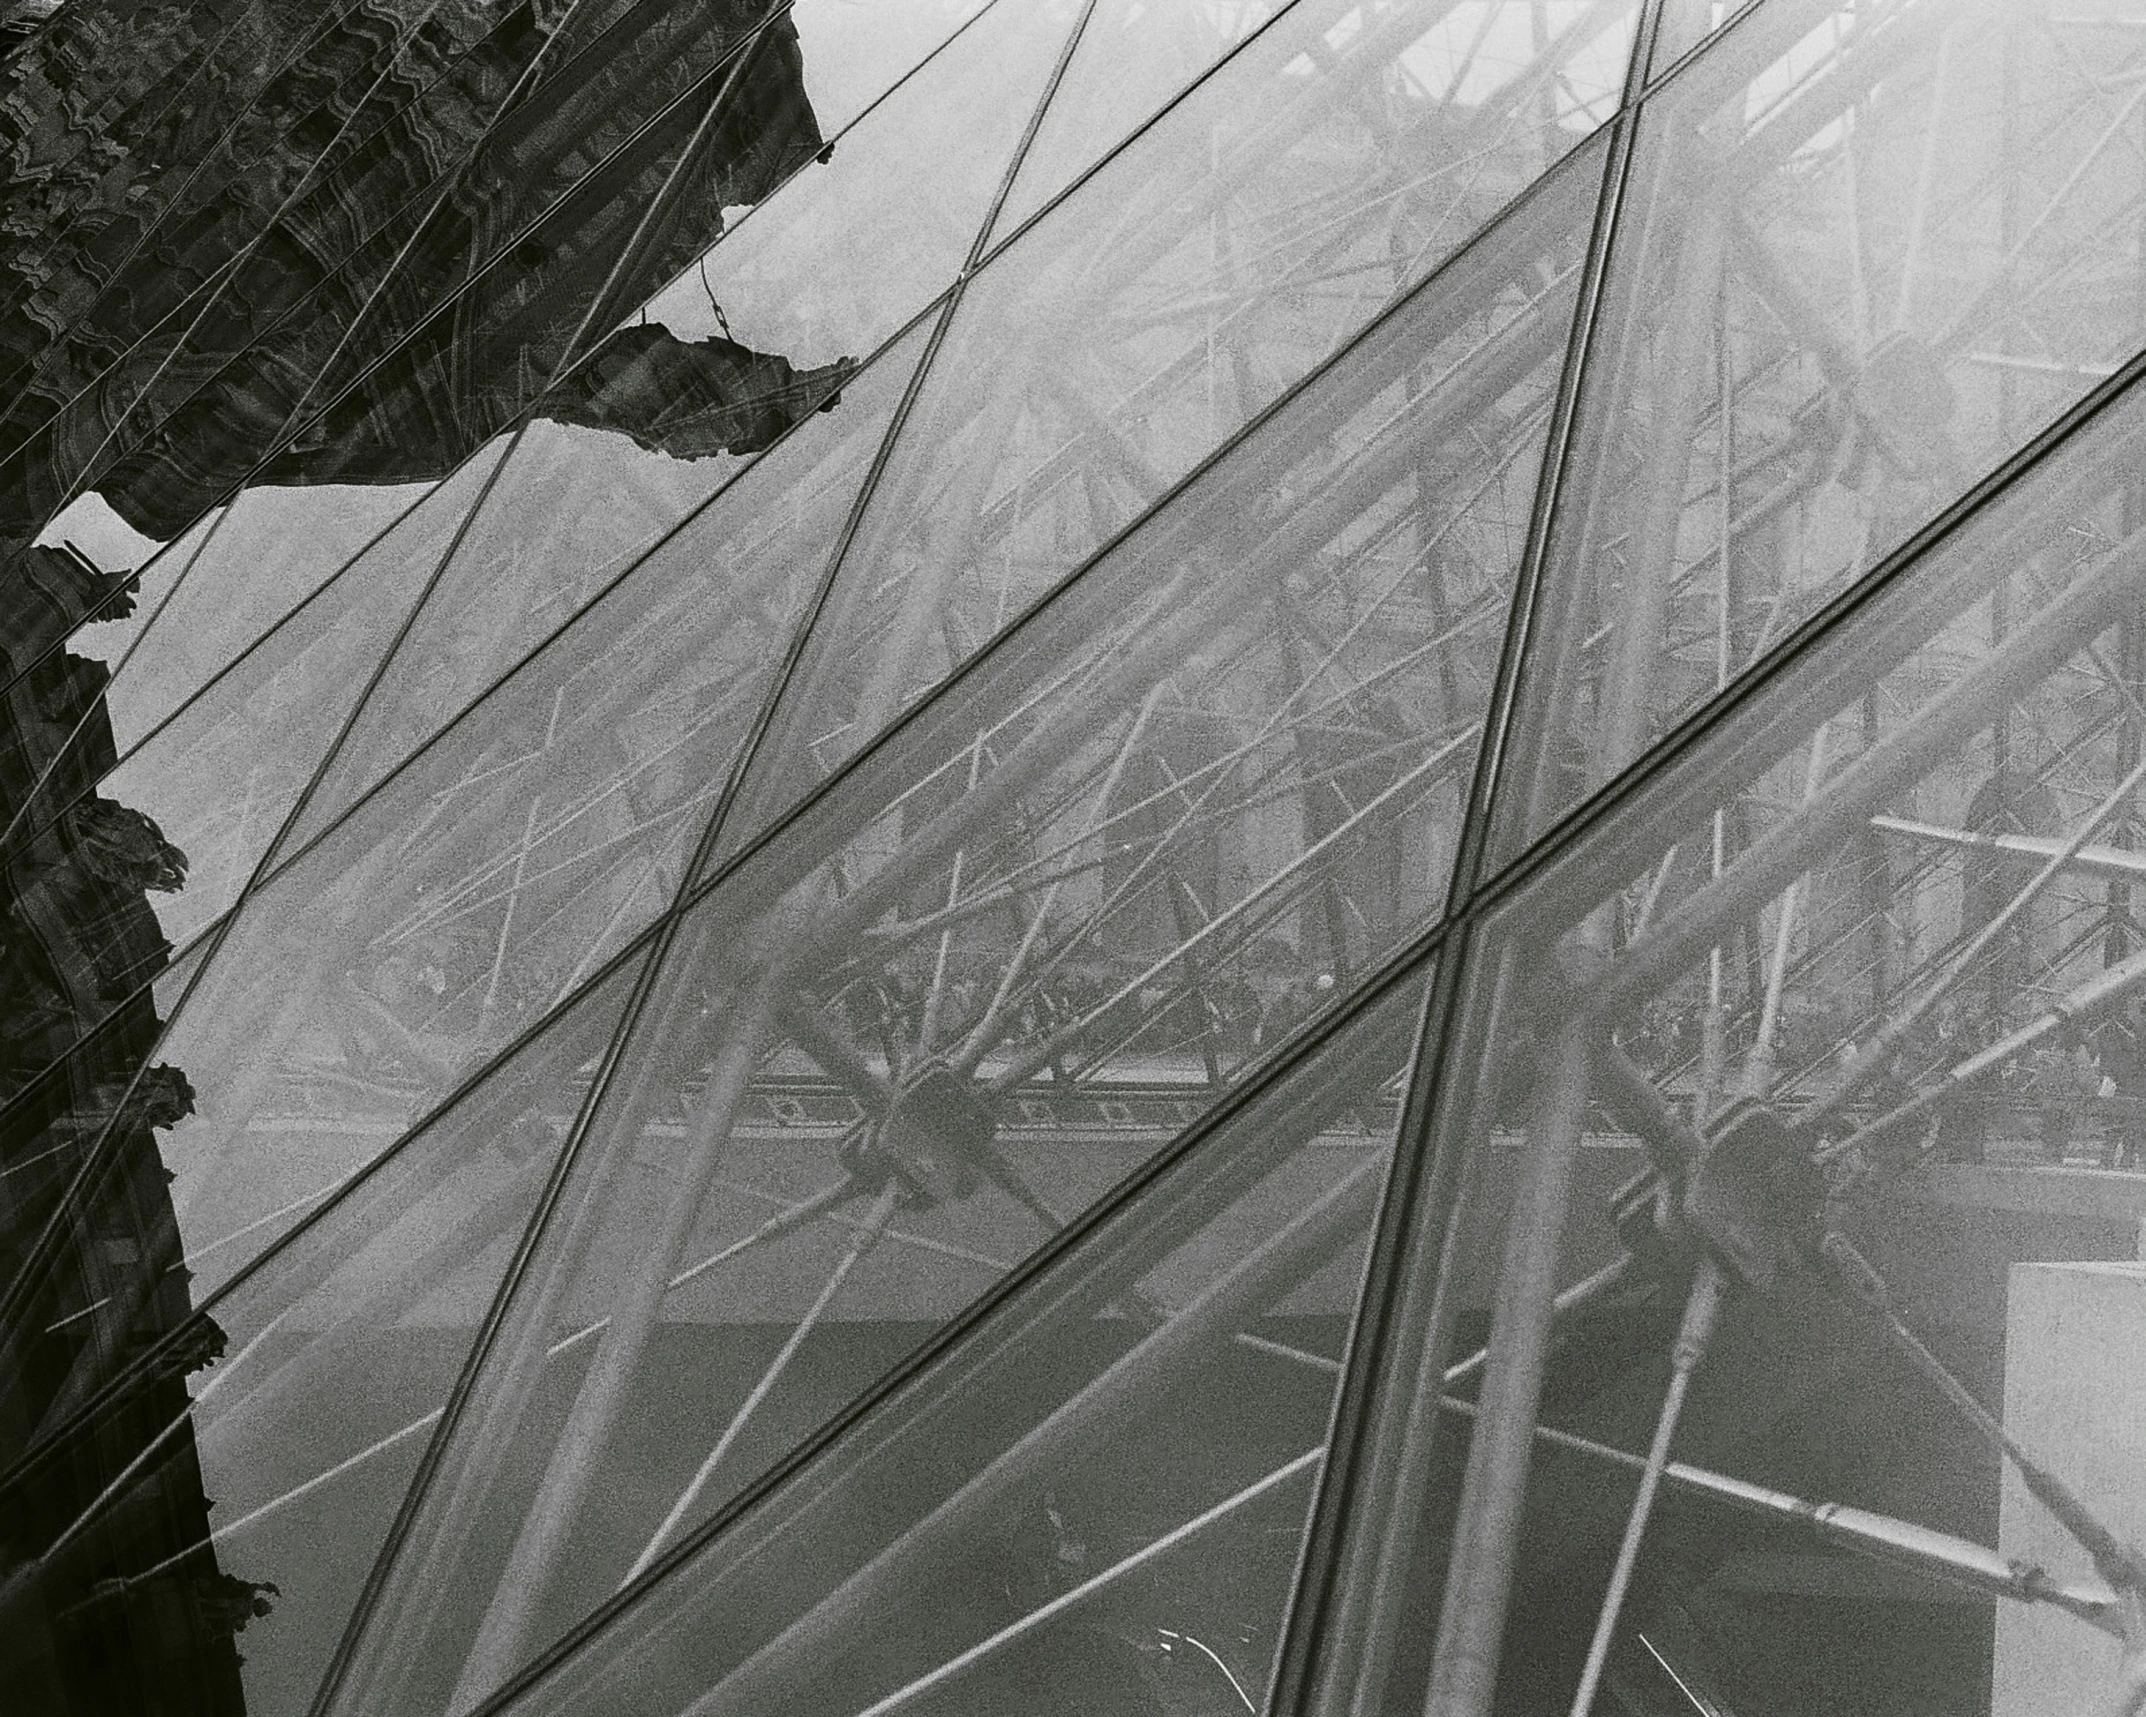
x=1114 y=1457
x=1836 y=300
x=269 y=1436
x=1100 y=356
x=822 y=273
x=1164 y=824
x=926 y=584
x=272 y=551
x=483 y=884
x=1133 y=57
x=1865 y=940
x=220 y=776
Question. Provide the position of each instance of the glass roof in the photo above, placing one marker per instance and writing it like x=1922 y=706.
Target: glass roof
x=983 y=856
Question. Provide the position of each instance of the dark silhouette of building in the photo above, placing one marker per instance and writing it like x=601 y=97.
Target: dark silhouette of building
x=389 y=227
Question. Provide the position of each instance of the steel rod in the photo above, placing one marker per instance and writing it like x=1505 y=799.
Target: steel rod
x=866 y=1237
x=1693 y=1337
x=943 y=1536
x=1471 y=1626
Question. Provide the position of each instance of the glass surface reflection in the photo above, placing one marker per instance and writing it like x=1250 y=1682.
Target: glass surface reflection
x=1087 y=1495
x=240 y=1467
x=1317 y=175
x=1826 y=1044
x=1864 y=254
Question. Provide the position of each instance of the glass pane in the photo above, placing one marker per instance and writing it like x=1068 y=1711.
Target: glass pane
x=1105 y=1477
x=1177 y=814
x=1131 y=61
x=1839 y=1006
x=274 y=549
x=822 y=273
x=220 y=776
x=1183 y=289
x=311 y=532
x=487 y=880
x=1859 y=261
x=258 y=1494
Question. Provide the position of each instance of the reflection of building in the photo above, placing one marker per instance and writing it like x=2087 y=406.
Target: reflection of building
x=345 y=285
x=843 y=1058
x=223 y=221
x=132 y=1611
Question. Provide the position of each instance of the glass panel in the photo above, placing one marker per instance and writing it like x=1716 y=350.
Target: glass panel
x=275 y=548
x=1860 y=260
x=850 y=62
x=488 y=879
x=1837 y=1012
x=1105 y=352
x=1106 y=890
x=822 y=273
x=257 y=1496
x=1132 y=59
x=616 y=172
x=1103 y=1479
x=1170 y=818
x=222 y=775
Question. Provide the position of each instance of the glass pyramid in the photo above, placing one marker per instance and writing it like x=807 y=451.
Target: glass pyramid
x=1035 y=856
